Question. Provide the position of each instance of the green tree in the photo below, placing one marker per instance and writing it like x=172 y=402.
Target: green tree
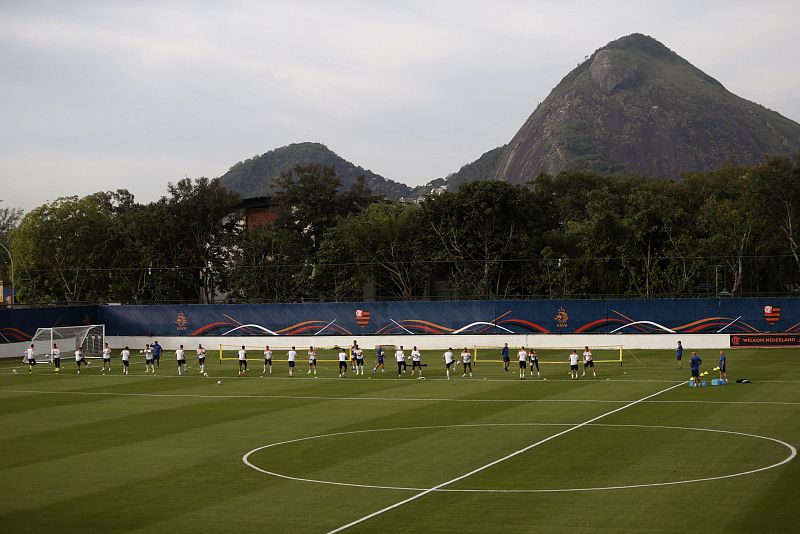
x=269 y=266
x=58 y=248
x=776 y=191
x=310 y=206
x=726 y=222
x=200 y=220
x=138 y=257
x=382 y=245
x=9 y=219
x=481 y=232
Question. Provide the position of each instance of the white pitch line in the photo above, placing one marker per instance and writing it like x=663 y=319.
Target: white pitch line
x=390 y=399
x=789 y=458
x=495 y=462
x=477 y=380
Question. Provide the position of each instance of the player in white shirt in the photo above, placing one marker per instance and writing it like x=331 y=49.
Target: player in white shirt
x=79 y=359
x=30 y=358
x=359 y=354
x=353 y=356
x=573 y=365
x=400 y=358
x=466 y=359
x=534 y=362
x=312 y=361
x=291 y=356
x=416 y=361
x=148 y=360
x=522 y=356
x=126 y=356
x=342 y=363
x=267 y=360
x=588 y=361
x=242 y=361
x=56 y=356
x=180 y=356
x=448 y=361
x=201 y=358
x=106 y=358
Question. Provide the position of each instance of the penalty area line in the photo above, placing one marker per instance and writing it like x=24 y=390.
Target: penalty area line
x=495 y=462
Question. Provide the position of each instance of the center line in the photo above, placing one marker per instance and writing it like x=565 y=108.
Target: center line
x=503 y=459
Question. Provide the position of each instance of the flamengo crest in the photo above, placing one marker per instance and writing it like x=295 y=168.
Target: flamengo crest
x=772 y=314
x=362 y=318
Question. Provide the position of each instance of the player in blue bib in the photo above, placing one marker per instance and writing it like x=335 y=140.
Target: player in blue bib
x=506 y=357
x=694 y=364
x=379 y=356
x=723 y=362
x=679 y=355
x=156 y=348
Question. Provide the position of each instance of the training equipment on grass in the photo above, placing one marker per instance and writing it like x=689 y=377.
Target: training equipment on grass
x=90 y=339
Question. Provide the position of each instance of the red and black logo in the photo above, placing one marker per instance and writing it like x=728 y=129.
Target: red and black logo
x=362 y=318
x=772 y=314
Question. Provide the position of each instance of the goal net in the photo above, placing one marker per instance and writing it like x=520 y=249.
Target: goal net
x=551 y=355
x=90 y=338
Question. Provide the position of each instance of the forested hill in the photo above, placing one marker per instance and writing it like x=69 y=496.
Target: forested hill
x=255 y=176
x=633 y=107
x=637 y=107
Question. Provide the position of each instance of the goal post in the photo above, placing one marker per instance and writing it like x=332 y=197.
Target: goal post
x=551 y=355
x=90 y=339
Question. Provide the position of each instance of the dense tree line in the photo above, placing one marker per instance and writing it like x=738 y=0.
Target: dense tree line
x=733 y=229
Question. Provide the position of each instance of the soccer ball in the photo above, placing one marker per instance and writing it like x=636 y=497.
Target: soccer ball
x=219 y=382
x=205 y=374
x=14 y=371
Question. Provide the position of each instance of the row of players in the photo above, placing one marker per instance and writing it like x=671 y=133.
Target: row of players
x=450 y=361
x=151 y=360
x=152 y=355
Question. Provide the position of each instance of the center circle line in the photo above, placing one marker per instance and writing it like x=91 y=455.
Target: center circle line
x=247 y=462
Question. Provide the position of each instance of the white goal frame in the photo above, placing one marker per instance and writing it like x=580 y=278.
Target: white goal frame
x=90 y=338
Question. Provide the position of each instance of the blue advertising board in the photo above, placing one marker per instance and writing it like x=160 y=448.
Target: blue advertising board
x=731 y=316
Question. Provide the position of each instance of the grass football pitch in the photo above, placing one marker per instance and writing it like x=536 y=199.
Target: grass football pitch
x=633 y=450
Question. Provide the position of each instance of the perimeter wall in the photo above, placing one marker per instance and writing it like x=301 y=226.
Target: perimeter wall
x=435 y=324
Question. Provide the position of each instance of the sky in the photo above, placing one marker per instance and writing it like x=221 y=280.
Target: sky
x=105 y=95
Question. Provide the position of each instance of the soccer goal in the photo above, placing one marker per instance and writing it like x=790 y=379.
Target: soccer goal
x=551 y=355
x=90 y=338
